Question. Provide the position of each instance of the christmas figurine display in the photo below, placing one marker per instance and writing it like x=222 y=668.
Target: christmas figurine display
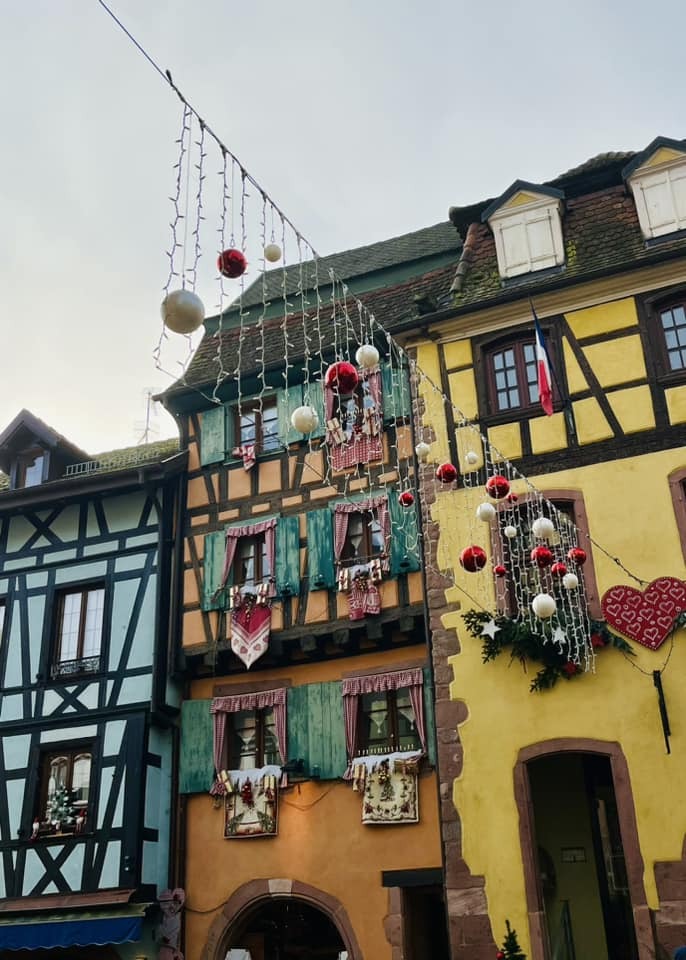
x=60 y=808
x=510 y=949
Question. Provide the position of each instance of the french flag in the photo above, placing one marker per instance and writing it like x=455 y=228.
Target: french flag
x=545 y=387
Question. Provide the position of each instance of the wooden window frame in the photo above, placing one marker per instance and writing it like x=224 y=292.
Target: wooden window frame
x=677 y=487
x=80 y=664
x=367 y=553
x=660 y=349
x=255 y=408
x=392 y=742
x=72 y=751
x=260 y=716
x=25 y=460
x=259 y=560
x=580 y=520
x=520 y=365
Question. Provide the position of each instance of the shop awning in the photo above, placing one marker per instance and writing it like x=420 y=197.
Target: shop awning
x=52 y=930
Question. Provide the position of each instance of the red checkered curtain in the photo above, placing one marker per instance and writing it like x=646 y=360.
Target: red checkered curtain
x=233 y=535
x=222 y=706
x=341 y=513
x=374 y=381
x=353 y=688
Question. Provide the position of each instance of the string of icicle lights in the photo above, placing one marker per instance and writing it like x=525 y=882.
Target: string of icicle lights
x=535 y=547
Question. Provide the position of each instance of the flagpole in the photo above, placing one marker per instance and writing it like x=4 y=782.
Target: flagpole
x=566 y=401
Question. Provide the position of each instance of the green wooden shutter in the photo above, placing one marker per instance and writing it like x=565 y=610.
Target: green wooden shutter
x=287 y=564
x=196 y=766
x=287 y=401
x=405 y=547
x=429 y=718
x=213 y=436
x=395 y=398
x=314 y=395
x=316 y=729
x=320 y=560
x=213 y=563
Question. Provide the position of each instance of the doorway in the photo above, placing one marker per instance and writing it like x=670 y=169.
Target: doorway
x=286 y=928
x=582 y=878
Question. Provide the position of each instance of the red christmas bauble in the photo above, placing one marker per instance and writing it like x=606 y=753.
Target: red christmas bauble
x=342 y=377
x=541 y=556
x=597 y=641
x=497 y=486
x=558 y=569
x=406 y=499
x=231 y=263
x=512 y=498
x=473 y=558
x=577 y=555
x=499 y=570
x=446 y=473
x=571 y=668
x=500 y=955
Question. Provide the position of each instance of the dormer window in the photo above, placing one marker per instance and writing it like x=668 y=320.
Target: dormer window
x=657 y=179
x=30 y=468
x=527 y=229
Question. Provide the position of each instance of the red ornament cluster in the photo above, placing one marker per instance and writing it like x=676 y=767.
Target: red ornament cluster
x=473 y=558
x=446 y=473
x=232 y=263
x=342 y=377
x=497 y=486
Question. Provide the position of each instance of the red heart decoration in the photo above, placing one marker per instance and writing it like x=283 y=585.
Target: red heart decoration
x=646 y=617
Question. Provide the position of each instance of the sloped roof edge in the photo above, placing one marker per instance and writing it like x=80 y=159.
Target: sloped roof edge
x=644 y=155
x=540 y=188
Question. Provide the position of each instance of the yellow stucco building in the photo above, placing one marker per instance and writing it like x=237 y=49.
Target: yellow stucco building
x=571 y=824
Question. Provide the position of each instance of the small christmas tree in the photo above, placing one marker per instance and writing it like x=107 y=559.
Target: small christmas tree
x=60 y=807
x=510 y=949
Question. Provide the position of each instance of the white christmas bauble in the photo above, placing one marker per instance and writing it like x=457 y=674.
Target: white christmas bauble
x=570 y=581
x=272 y=253
x=422 y=450
x=543 y=605
x=510 y=532
x=471 y=457
x=304 y=419
x=485 y=512
x=543 y=528
x=182 y=311
x=367 y=356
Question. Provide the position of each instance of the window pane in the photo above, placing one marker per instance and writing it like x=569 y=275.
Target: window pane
x=244 y=564
x=376 y=537
x=679 y=315
x=271 y=746
x=500 y=380
x=69 y=632
x=270 y=427
x=375 y=732
x=95 y=604
x=671 y=339
x=247 y=427
x=498 y=361
x=243 y=753
x=81 y=776
x=33 y=472
x=667 y=319
x=407 y=729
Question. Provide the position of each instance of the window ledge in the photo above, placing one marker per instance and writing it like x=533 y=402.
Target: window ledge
x=665 y=238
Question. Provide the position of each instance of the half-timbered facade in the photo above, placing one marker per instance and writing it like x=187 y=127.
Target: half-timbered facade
x=87 y=706
x=566 y=795
x=311 y=806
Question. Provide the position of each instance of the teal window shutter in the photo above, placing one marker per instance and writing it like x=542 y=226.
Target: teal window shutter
x=405 y=547
x=213 y=435
x=320 y=561
x=313 y=394
x=395 y=396
x=287 y=563
x=213 y=564
x=316 y=729
x=429 y=716
x=287 y=401
x=196 y=766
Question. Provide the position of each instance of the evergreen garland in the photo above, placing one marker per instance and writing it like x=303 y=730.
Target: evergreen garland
x=527 y=644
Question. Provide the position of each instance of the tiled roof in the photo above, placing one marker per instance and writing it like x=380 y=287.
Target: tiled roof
x=598 y=162
x=350 y=264
x=390 y=306
x=135 y=456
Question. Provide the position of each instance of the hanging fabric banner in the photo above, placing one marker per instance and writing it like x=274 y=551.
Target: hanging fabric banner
x=251 y=624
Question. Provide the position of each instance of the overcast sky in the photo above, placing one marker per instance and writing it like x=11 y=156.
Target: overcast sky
x=362 y=119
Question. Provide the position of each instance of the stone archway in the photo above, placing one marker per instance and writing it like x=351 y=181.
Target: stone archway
x=248 y=896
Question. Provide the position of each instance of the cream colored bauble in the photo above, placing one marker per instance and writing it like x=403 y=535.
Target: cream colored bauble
x=272 y=253
x=471 y=457
x=510 y=532
x=543 y=528
x=570 y=581
x=304 y=419
x=182 y=311
x=367 y=356
x=544 y=606
x=485 y=512
x=422 y=450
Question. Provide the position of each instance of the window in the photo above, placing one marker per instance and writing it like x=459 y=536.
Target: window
x=386 y=723
x=253 y=742
x=258 y=426
x=528 y=232
x=351 y=410
x=511 y=376
x=79 y=630
x=660 y=197
x=364 y=538
x=673 y=325
x=64 y=790
x=251 y=565
x=30 y=468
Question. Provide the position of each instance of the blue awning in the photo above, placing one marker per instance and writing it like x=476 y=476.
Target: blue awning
x=53 y=932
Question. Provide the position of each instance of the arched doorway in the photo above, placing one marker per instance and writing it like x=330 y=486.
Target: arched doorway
x=260 y=909
x=285 y=929
x=583 y=868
